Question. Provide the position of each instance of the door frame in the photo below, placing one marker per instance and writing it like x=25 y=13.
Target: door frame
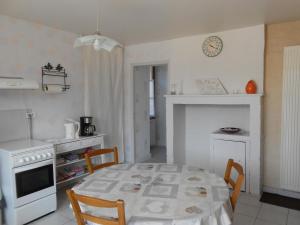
x=132 y=65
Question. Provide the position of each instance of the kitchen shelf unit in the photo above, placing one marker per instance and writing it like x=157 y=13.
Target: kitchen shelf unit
x=76 y=147
x=69 y=163
x=75 y=178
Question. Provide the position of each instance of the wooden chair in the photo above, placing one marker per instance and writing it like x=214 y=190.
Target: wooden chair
x=237 y=184
x=99 y=152
x=82 y=217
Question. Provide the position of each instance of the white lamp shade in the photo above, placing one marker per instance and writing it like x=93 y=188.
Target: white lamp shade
x=98 y=41
x=97 y=45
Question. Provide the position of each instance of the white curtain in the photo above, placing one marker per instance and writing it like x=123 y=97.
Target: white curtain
x=104 y=93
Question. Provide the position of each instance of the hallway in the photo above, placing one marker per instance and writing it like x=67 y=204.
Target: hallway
x=158 y=155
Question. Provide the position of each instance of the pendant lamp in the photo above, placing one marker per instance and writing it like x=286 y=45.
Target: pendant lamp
x=97 y=40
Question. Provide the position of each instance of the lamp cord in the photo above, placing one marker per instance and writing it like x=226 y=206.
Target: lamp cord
x=98 y=16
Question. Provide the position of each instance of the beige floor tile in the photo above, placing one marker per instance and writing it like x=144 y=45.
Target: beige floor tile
x=67 y=212
x=293 y=217
x=294 y=213
x=262 y=222
x=247 y=210
x=72 y=222
x=293 y=221
x=273 y=214
x=51 y=219
x=240 y=219
x=249 y=199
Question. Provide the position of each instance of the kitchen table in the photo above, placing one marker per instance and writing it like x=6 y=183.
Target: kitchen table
x=160 y=194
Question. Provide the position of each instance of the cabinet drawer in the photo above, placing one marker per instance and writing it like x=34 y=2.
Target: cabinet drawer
x=89 y=142
x=66 y=147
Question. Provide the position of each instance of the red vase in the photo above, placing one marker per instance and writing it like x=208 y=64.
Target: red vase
x=251 y=87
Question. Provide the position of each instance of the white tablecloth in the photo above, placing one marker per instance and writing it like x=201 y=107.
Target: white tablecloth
x=160 y=194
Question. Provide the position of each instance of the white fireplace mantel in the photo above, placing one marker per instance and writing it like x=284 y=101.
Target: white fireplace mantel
x=174 y=106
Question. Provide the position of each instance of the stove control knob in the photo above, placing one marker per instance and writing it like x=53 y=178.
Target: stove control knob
x=21 y=161
x=33 y=158
x=49 y=154
x=38 y=156
x=44 y=156
x=26 y=159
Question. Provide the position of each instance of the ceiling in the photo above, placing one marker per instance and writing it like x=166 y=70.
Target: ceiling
x=137 y=21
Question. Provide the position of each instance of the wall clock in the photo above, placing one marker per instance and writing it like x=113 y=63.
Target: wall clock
x=212 y=46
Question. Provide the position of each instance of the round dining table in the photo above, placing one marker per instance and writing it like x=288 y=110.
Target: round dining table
x=160 y=194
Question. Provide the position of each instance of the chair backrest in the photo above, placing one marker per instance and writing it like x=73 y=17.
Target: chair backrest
x=235 y=184
x=82 y=217
x=99 y=152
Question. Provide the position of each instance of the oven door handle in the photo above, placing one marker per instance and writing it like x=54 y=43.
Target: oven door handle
x=33 y=166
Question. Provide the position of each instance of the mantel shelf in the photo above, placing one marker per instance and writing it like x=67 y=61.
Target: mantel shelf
x=237 y=99
x=214 y=96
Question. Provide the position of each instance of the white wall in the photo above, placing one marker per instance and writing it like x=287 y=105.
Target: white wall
x=242 y=59
x=24 y=48
x=201 y=121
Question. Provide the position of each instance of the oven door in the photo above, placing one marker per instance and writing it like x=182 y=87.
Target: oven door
x=33 y=182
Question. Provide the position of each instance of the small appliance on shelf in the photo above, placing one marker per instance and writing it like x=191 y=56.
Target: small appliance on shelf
x=72 y=128
x=86 y=127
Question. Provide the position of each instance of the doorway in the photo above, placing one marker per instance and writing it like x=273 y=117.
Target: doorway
x=150 y=87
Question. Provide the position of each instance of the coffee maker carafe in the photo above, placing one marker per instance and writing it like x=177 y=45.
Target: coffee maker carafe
x=86 y=127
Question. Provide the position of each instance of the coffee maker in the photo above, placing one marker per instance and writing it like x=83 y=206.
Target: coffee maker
x=86 y=127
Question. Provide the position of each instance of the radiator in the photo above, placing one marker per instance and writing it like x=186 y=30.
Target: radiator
x=290 y=127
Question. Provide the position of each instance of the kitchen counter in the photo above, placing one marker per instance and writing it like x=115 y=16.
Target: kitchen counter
x=59 y=141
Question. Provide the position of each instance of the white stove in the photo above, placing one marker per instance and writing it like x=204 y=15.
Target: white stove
x=27 y=180
x=23 y=145
x=27 y=151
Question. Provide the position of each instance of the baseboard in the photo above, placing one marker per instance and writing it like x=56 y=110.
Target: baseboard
x=291 y=194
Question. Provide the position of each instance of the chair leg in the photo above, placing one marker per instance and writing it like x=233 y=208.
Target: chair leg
x=116 y=155
x=89 y=164
x=76 y=207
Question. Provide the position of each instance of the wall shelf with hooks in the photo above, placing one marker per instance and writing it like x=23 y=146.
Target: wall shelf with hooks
x=57 y=85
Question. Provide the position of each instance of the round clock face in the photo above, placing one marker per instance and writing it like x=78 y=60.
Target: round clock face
x=212 y=46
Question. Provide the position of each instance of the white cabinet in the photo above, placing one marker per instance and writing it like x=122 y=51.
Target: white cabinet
x=224 y=147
